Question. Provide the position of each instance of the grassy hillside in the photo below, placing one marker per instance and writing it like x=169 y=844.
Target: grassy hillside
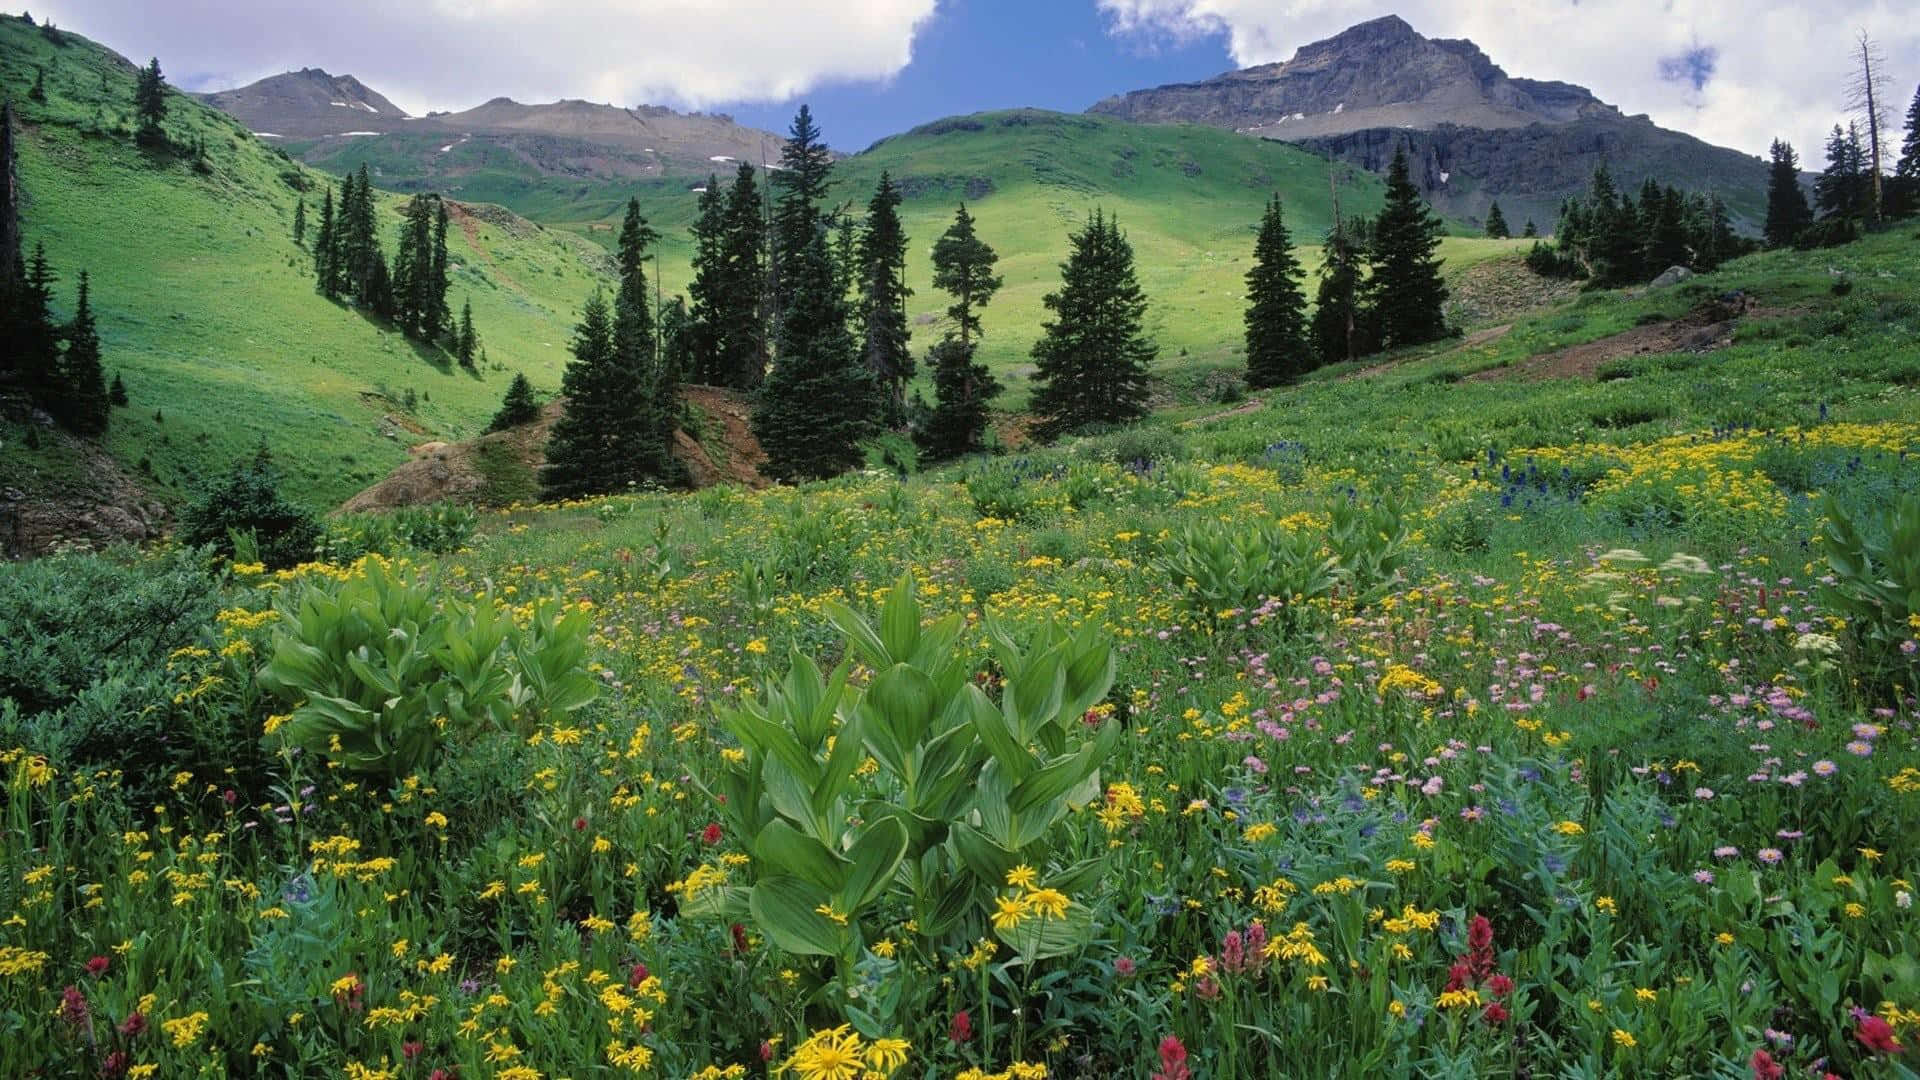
x=206 y=305
x=1188 y=197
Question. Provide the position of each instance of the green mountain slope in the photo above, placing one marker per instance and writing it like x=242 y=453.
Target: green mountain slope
x=206 y=305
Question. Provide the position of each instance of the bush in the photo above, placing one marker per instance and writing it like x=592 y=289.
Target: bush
x=1234 y=566
x=64 y=618
x=441 y=530
x=246 y=502
x=1876 y=571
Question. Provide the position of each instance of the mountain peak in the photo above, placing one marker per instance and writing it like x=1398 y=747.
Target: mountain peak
x=307 y=103
x=1379 y=73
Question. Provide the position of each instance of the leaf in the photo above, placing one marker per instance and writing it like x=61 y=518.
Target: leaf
x=1039 y=938
x=787 y=908
x=875 y=855
x=900 y=620
x=790 y=851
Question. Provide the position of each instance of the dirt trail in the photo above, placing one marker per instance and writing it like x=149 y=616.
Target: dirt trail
x=1242 y=409
x=1705 y=329
x=1484 y=336
x=470 y=226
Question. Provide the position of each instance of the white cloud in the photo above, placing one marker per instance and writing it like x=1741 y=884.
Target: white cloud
x=440 y=54
x=1781 y=65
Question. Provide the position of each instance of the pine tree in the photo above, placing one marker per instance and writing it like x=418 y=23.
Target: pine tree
x=1497 y=223
x=1717 y=241
x=150 y=103
x=1093 y=357
x=36 y=340
x=1906 y=171
x=802 y=183
x=413 y=270
x=39 y=91
x=1787 y=211
x=82 y=404
x=882 y=259
x=676 y=351
x=325 y=248
x=743 y=308
x=592 y=448
x=363 y=267
x=1276 y=316
x=466 y=342
x=439 y=317
x=655 y=410
x=1667 y=244
x=963 y=267
x=707 y=316
x=518 y=407
x=247 y=499
x=819 y=401
x=1339 y=328
x=1531 y=231
x=1844 y=190
x=300 y=222
x=1407 y=295
x=117 y=393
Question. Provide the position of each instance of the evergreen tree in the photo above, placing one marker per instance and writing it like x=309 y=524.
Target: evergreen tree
x=963 y=267
x=39 y=91
x=117 y=393
x=1667 y=244
x=676 y=352
x=363 y=267
x=846 y=261
x=1407 y=295
x=518 y=407
x=1787 y=210
x=1497 y=223
x=1093 y=357
x=882 y=258
x=326 y=245
x=1531 y=230
x=802 y=183
x=1717 y=241
x=707 y=316
x=300 y=222
x=413 y=283
x=82 y=404
x=655 y=411
x=592 y=450
x=1844 y=190
x=150 y=103
x=35 y=338
x=1906 y=171
x=1276 y=317
x=466 y=342
x=743 y=309
x=819 y=400
x=1339 y=328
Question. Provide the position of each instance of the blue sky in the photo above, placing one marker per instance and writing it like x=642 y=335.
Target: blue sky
x=975 y=55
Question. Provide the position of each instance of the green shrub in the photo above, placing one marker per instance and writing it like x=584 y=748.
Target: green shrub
x=65 y=619
x=440 y=529
x=247 y=501
x=387 y=668
x=1876 y=572
x=1233 y=566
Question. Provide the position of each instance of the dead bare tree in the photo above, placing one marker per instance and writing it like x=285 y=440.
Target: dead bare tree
x=1867 y=96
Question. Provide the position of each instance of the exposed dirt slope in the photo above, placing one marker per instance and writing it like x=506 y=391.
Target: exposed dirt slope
x=503 y=466
x=70 y=493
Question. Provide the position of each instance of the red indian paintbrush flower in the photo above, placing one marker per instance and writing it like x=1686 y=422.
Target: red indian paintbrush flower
x=1877 y=1035
x=962 y=1027
x=1765 y=1068
x=1173 y=1060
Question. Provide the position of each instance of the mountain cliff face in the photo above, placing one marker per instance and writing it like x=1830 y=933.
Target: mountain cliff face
x=1477 y=134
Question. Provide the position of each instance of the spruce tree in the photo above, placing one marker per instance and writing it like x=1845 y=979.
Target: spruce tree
x=247 y=499
x=819 y=401
x=1531 y=231
x=300 y=222
x=1276 y=316
x=39 y=91
x=963 y=267
x=1339 y=328
x=518 y=407
x=1407 y=295
x=466 y=342
x=1667 y=244
x=150 y=103
x=413 y=271
x=82 y=405
x=589 y=452
x=1787 y=210
x=1906 y=171
x=802 y=183
x=364 y=268
x=439 y=315
x=117 y=393
x=36 y=340
x=1844 y=190
x=1093 y=357
x=882 y=258
x=655 y=410
x=743 y=307
x=325 y=250
x=1497 y=223
x=706 y=336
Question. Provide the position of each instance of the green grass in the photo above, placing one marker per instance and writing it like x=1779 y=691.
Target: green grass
x=206 y=306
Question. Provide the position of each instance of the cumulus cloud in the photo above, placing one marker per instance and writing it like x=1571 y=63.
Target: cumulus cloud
x=453 y=54
x=1733 y=72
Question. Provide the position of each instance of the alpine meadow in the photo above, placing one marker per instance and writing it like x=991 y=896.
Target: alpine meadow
x=1362 y=565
